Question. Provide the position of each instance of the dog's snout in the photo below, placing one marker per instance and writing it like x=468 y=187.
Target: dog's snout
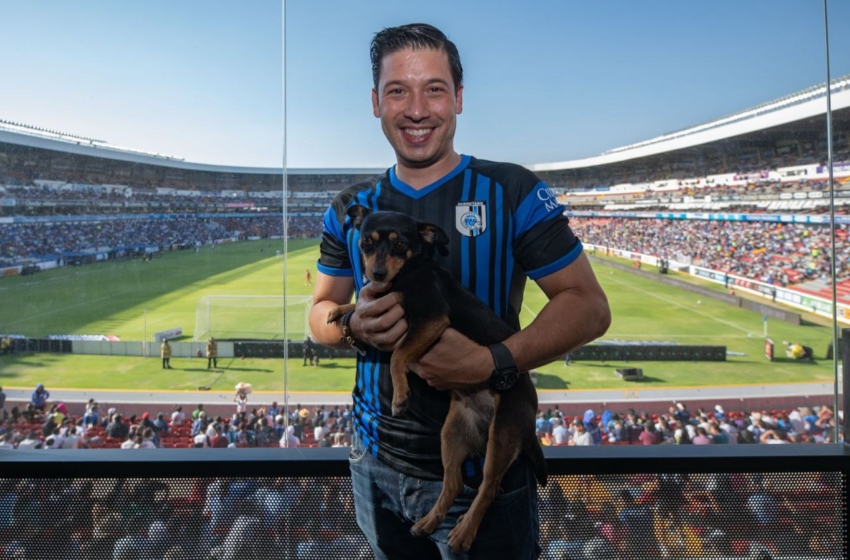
x=379 y=274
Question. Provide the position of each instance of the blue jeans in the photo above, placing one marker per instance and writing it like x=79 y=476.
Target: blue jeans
x=388 y=503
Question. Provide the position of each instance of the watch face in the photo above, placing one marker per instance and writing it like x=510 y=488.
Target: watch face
x=504 y=380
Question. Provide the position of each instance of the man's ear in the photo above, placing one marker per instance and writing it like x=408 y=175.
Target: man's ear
x=357 y=213
x=435 y=237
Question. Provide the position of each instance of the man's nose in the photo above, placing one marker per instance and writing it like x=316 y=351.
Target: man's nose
x=417 y=108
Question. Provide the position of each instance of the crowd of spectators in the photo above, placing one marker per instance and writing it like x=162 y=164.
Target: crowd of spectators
x=627 y=517
x=23 y=242
x=776 y=253
x=680 y=426
x=49 y=426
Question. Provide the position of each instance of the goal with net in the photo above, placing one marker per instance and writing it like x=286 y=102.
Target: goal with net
x=252 y=317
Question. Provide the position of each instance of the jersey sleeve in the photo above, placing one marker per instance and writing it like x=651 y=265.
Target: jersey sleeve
x=334 y=258
x=543 y=240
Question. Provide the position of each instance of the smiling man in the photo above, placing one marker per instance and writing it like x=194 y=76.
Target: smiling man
x=504 y=226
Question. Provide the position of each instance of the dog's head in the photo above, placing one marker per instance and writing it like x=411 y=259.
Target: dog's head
x=388 y=240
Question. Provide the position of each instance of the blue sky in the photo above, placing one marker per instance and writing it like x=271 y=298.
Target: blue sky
x=548 y=81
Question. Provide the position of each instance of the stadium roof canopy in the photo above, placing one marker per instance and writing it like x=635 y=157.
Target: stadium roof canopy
x=793 y=113
x=797 y=115
x=24 y=135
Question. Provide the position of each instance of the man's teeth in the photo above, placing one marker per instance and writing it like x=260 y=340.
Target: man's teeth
x=417 y=131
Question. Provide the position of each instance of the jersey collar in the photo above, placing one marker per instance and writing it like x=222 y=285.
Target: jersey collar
x=406 y=189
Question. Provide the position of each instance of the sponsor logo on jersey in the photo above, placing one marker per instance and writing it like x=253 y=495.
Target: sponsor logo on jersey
x=471 y=218
x=548 y=198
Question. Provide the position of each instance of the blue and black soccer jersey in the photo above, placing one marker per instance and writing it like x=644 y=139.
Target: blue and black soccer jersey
x=503 y=224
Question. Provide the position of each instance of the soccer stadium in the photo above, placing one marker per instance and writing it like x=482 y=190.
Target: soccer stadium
x=713 y=244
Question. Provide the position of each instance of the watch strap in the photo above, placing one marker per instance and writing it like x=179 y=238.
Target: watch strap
x=502 y=357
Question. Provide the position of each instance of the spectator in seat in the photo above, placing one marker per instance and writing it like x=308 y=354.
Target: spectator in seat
x=199 y=426
x=177 y=417
x=117 y=428
x=701 y=437
x=160 y=426
x=31 y=441
x=648 y=436
x=218 y=440
x=92 y=417
x=580 y=435
x=560 y=433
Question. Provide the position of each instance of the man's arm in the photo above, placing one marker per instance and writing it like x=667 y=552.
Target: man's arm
x=577 y=312
x=329 y=292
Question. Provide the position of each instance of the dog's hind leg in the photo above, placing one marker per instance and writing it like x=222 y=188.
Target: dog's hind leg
x=503 y=446
x=416 y=342
x=454 y=452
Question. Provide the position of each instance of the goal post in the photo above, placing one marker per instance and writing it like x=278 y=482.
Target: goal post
x=252 y=317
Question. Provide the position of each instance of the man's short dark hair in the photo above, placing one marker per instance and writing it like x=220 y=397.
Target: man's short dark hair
x=416 y=36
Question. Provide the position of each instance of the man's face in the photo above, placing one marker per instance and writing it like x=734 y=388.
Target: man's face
x=417 y=105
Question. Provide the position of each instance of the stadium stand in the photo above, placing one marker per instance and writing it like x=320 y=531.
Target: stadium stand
x=782 y=254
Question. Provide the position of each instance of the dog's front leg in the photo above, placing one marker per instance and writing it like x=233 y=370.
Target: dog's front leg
x=337 y=312
x=418 y=339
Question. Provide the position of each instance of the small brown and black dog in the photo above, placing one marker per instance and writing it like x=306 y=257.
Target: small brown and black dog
x=398 y=249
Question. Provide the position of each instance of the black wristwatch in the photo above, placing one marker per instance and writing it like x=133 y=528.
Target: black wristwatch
x=506 y=374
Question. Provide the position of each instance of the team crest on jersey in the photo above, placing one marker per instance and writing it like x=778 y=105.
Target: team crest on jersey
x=471 y=218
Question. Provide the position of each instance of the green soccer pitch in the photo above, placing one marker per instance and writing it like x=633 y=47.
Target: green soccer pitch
x=131 y=298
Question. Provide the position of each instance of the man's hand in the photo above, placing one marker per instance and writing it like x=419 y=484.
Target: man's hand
x=454 y=362
x=378 y=320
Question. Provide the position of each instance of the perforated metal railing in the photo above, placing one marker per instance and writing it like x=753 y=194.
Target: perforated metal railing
x=287 y=506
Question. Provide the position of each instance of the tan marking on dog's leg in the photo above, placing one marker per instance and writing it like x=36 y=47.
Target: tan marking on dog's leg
x=453 y=453
x=503 y=446
x=418 y=339
x=336 y=313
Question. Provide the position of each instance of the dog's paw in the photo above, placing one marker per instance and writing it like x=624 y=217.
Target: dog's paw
x=336 y=314
x=461 y=536
x=399 y=407
x=427 y=525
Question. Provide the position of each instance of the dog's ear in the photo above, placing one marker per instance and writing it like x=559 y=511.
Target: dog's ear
x=357 y=213
x=435 y=237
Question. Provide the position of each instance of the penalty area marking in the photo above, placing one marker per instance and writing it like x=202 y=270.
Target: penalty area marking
x=53 y=311
x=677 y=304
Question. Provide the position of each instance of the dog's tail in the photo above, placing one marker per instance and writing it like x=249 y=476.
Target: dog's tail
x=538 y=463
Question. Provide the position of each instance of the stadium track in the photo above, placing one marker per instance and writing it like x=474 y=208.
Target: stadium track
x=731 y=397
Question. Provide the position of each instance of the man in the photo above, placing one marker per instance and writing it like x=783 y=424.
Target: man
x=504 y=225
x=39 y=397
x=580 y=434
x=165 y=354
x=309 y=350
x=212 y=353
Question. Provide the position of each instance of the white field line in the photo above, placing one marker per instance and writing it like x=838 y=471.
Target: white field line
x=53 y=311
x=527 y=308
x=691 y=309
x=164 y=317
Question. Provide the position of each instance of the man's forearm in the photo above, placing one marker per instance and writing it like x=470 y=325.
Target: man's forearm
x=326 y=334
x=567 y=321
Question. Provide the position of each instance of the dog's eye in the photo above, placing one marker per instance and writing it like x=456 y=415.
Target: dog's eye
x=400 y=246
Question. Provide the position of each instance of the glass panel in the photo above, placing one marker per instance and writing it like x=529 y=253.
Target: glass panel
x=691 y=167
x=140 y=200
